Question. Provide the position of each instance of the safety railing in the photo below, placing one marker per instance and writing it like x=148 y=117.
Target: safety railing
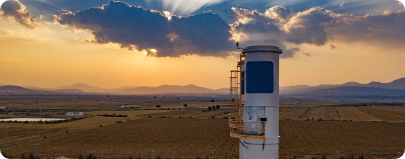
x=238 y=130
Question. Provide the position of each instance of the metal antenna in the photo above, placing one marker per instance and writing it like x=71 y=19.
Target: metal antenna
x=237 y=45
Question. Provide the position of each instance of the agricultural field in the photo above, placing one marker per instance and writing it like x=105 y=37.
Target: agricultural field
x=104 y=101
x=374 y=130
x=189 y=138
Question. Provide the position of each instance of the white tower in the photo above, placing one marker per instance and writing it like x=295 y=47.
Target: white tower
x=257 y=121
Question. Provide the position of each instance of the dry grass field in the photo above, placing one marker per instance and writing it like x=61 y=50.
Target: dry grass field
x=189 y=138
x=375 y=131
x=385 y=114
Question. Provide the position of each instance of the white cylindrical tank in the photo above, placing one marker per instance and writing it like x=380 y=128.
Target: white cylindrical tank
x=261 y=96
x=241 y=146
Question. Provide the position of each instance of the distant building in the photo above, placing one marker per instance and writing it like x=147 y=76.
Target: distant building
x=130 y=106
x=74 y=113
x=2 y=108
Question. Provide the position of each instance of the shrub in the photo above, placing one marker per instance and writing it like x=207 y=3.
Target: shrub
x=158 y=106
x=185 y=105
x=351 y=157
x=44 y=137
x=26 y=122
x=80 y=157
x=118 y=121
x=90 y=156
x=323 y=157
x=320 y=119
x=101 y=125
x=212 y=100
x=31 y=156
x=361 y=156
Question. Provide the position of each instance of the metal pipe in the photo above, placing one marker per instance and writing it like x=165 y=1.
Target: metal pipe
x=35 y=145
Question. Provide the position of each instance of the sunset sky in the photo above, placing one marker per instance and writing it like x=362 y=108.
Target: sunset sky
x=50 y=43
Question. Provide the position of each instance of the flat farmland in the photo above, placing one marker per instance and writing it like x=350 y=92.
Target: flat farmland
x=104 y=101
x=385 y=114
x=189 y=138
x=375 y=131
x=326 y=113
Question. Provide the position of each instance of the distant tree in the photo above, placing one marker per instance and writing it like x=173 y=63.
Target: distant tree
x=130 y=157
x=209 y=108
x=22 y=156
x=212 y=100
x=154 y=97
x=90 y=156
x=218 y=107
x=361 y=156
x=31 y=156
x=213 y=108
x=164 y=97
x=80 y=157
x=158 y=106
x=185 y=105
x=178 y=98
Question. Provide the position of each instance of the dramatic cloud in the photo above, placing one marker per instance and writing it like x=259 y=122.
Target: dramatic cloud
x=316 y=26
x=255 y=28
x=13 y=9
x=133 y=28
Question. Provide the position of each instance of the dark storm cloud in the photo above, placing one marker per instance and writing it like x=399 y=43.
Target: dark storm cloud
x=13 y=9
x=132 y=27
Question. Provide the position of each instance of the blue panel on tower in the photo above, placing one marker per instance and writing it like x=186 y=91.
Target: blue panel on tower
x=243 y=83
x=260 y=77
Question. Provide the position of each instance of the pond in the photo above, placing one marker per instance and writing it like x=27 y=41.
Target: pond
x=32 y=119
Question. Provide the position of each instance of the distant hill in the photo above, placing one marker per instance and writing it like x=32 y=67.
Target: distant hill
x=17 y=90
x=353 y=91
x=398 y=84
x=70 y=91
x=174 y=89
x=81 y=86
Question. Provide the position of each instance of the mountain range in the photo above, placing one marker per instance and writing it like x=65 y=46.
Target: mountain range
x=394 y=88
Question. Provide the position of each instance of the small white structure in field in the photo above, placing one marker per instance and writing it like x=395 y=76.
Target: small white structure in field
x=124 y=106
x=74 y=113
x=2 y=108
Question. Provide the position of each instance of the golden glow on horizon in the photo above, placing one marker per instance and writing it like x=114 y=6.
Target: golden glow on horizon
x=55 y=57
